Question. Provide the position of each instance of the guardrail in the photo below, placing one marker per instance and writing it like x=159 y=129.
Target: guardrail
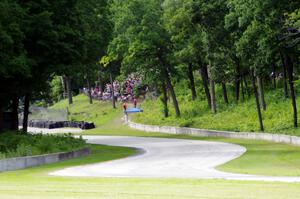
x=278 y=138
x=11 y=164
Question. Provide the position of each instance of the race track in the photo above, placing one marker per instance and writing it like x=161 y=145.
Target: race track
x=166 y=158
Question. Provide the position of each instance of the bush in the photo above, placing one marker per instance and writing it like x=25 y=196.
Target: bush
x=186 y=123
x=15 y=144
x=56 y=89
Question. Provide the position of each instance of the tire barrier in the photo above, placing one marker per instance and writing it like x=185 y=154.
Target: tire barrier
x=60 y=124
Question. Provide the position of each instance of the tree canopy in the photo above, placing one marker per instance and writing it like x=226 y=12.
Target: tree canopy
x=231 y=43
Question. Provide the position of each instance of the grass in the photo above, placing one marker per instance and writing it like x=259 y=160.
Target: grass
x=99 y=112
x=241 y=117
x=261 y=158
x=106 y=119
x=265 y=158
x=34 y=183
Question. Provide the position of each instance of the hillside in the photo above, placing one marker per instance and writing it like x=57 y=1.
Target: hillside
x=234 y=116
x=99 y=112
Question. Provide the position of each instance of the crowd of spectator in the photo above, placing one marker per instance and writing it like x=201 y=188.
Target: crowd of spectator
x=122 y=91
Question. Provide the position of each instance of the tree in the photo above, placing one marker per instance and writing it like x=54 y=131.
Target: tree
x=37 y=43
x=96 y=34
x=210 y=16
x=185 y=37
x=107 y=62
x=291 y=41
x=142 y=43
x=262 y=23
x=30 y=56
x=13 y=59
x=68 y=40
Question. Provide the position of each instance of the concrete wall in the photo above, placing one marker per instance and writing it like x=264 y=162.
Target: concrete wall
x=287 y=139
x=32 y=161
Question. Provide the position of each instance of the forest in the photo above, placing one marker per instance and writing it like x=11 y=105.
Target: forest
x=249 y=46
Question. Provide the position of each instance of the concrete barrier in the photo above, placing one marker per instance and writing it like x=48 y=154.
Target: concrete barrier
x=32 y=161
x=278 y=138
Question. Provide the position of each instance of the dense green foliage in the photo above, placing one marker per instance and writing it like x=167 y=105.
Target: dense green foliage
x=245 y=45
x=247 y=53
x=232 y=43
x=19 y=144
x=46 y=38
x=56 y=89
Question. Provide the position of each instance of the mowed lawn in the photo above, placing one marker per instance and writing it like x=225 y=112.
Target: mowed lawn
x=261 y=158
x=34 y=183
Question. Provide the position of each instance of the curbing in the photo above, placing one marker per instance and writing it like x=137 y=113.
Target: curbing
x=287 y=139
x=32 y=161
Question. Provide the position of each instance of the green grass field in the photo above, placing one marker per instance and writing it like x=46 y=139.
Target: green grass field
x=261 y=158
x=34 y=183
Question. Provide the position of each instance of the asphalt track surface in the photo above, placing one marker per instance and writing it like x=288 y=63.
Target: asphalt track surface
x=167 y=158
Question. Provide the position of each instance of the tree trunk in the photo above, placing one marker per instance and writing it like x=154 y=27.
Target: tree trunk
x=100 y=82
x=1 y=115
x=112 y=90
x=247 y=87
x=192 y=81
x=243 y=89
x=224 y=93
x=172 y=92
x=285 y=88
x=89 y=89
x=274 y=75
x=64 y=86
x=289 y=67
x=167 y=77
x=261 y=93
x=69 y=89
x=257 y=103
x=237 y=79
x=204 y=76
x=165 y=100
x=212 y=91
x=26 y=112
x=15 y=116
x=213 y=96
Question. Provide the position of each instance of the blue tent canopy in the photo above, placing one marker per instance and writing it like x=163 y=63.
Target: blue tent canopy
x=133 y=110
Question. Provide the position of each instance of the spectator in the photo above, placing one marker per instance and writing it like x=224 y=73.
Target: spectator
x=126 y=94
x=134 y=102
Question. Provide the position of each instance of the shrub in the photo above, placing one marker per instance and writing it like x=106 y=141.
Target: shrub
x=15 y=144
